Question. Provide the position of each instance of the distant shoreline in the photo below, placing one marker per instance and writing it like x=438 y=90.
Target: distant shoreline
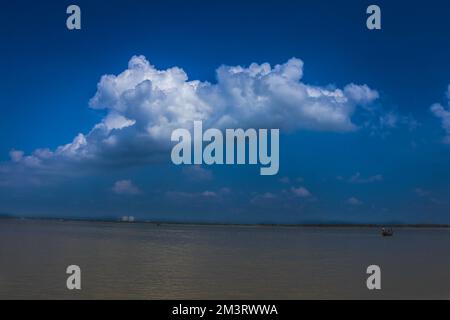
x=159 y=223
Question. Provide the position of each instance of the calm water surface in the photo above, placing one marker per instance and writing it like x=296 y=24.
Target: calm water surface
x=145 y=261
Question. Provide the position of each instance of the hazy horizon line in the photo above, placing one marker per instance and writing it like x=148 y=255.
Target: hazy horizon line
x=218 y=223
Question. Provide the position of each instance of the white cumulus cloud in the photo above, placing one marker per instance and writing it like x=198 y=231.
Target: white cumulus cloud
x=144 y=104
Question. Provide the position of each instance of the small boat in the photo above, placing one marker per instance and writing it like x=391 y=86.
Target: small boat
x=387 y=232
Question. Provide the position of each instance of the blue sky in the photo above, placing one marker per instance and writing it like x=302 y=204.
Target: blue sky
x=392 y=166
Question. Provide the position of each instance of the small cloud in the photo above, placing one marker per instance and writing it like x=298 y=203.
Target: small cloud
x=261 y=199
x=125 y=187
x=16 y=155
x=197 y=173
x=392 y=120
x=285 y=180
x=443 y=113
x=268 y=195
x=357 y=178
x=389 y=120
x=427 y=195
x=301 y=192
x=421 y=192
x=382 y=123
x=354 y=201
x=183 y=195
x=209 y=194
x=225 y=191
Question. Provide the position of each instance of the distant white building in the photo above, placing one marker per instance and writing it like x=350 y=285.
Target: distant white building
x=127 y=219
